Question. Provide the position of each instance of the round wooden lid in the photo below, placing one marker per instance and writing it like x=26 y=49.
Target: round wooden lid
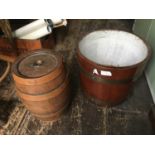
x=37 y=64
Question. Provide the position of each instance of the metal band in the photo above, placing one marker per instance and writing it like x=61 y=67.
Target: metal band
x=102 y=79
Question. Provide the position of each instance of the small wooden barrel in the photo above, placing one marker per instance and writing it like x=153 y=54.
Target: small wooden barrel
x=109 y=62
x=41 y=83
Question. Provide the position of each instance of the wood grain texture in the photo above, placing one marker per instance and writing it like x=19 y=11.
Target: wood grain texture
x=36 y=76
x=82 y=116
x=10 y=53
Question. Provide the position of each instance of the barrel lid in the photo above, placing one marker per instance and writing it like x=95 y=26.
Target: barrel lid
x=38 y=63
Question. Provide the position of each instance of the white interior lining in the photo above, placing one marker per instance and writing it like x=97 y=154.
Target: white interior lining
x=113 y=48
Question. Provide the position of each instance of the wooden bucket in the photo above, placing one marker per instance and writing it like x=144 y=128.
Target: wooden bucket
x=109 y=62
x=8 y=53
x=41 y=83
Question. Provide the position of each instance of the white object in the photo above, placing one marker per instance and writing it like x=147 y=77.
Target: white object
x=29 y=28
x=95 y=71
x=106 y=73
x=57 y=21
x=38 y=28
x=102 y=72
x=113 y=48
x=41 y=32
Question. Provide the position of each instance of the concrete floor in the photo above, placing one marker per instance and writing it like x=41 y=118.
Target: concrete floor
x=82 y=116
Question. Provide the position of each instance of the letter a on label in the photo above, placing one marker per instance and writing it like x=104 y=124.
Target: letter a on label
x=95 y=71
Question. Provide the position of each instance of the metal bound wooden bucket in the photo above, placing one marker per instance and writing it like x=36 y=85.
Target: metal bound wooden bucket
x=109 y=61
x=41 y=83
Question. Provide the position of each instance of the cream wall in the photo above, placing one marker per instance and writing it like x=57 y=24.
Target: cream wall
x=146 y=29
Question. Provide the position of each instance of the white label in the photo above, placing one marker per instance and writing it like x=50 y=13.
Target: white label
x=102 y=72
x=106 y=73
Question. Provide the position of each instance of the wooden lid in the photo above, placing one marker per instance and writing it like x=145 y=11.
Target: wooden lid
x=37 y=64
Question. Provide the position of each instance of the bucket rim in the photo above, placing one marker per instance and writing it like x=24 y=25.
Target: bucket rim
x=149 y=51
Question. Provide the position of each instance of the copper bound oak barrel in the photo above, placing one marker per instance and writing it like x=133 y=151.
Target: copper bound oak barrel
x=109 y=61
x=42 y=83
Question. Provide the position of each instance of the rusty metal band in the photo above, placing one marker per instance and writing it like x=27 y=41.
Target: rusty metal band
x=102 y=79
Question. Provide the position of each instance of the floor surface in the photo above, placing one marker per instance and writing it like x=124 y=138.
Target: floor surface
x=82 y=116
